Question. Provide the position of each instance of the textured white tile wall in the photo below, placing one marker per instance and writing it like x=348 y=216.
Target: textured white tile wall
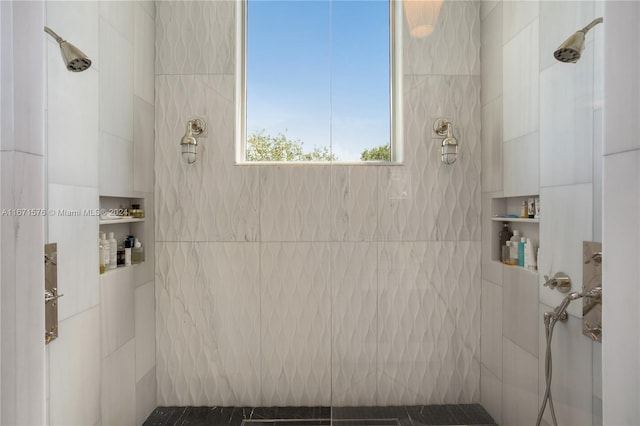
x=311 y=240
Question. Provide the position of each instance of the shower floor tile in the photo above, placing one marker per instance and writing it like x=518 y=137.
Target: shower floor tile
x=423 y=415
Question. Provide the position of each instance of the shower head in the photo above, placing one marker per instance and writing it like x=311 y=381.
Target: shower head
x=572 y=48
x=74 y=58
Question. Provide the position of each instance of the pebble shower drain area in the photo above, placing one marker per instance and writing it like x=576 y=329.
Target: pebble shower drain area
x=427 y=415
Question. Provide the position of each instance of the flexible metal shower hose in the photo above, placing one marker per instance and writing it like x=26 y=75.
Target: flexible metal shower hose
x=549 y=325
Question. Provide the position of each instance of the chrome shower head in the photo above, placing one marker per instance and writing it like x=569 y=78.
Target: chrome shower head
x=74 y=58
x=572 y=48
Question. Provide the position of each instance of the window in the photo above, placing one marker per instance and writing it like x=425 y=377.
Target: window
x=317 y=81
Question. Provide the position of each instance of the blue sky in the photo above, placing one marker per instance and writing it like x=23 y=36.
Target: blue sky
x=320 y=71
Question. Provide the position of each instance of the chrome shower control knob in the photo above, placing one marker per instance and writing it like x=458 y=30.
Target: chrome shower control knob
x=560 y=282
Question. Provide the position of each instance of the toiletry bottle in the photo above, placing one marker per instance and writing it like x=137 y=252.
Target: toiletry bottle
x=137 y=253
x=513 y=256
x=515 y=238
x=113 y=251
x=527 y=249
x=524 y=213
x=127 y=252
x=521 y=251
x=505 y=234
x=106 y=252
x=532 y=254
x=531 y=208
x=537 y=215
x=100 y=255
x=505 y=253
x=120 y=255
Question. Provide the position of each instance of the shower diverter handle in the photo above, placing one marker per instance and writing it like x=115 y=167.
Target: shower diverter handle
x=560 y=282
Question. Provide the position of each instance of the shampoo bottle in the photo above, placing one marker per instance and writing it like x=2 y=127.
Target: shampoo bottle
x=106 y=253
x=113 y=251
x=505 y=234
x=521 y=251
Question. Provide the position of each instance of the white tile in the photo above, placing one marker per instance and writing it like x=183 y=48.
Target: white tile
x=491 y=267
x=214 y=186
x=455 y=42
x=597 y=369
x=295 y=203
x=621 y=83
x=22 y=187
x=76 y=238
x=354 y=203
x=144 y=54
x=520 y=308
x=116 y=82
x=566 y=124
x=521 y=166
x=72 y=103
x=354 y=313
x=146 y=396
x=560 y=19
x=77 y=22
x=6 y=78
x=520 y=82
x=516 y=16
x=597 y=412
x=119 y=14
x=597 y=175
x=492 y=146
x=491 y=328
x=572 y=383
x=486 y=7
x=566 y=221
x=436 y=202
x=116 y=165
x=76 y=376
x=208 y=324
x=428 y=310
x=150 y=7
x=28 y=78
x=491 y=393
x=520 y=385
x=209 y=50
x=491 y=55
x=143 y=145
x=145 y=329
x=621 y=246
x=117 y=304
x=119 y=386
x=295 y=302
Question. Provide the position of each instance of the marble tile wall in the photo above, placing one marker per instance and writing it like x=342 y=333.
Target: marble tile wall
x=380 y=264
x=22 y=388
x=550 y=116
x=107 y=333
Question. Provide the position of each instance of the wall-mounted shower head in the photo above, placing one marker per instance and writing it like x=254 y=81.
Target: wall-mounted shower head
x=571 y=49
x=73 y=58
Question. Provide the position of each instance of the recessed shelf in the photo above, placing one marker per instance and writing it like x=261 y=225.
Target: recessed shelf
x=514 y=219
x=120 y=268
x=123 y=220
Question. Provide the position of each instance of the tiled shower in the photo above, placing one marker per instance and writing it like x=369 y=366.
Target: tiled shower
x=316 y=285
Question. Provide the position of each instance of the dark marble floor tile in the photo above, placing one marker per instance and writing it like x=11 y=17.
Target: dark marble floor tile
x=458 y=414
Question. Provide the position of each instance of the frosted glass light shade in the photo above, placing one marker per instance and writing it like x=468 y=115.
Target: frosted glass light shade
x=422 y=16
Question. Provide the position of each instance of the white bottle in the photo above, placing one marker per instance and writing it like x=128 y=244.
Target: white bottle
x=113 y=251
x=106 y=252
x=531 y=258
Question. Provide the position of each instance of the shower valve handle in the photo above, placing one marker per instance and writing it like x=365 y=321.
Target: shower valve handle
x=560 y=282
x=594 y=332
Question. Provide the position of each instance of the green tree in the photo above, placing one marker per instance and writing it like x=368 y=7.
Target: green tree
x=380 y=153
x=262 y=147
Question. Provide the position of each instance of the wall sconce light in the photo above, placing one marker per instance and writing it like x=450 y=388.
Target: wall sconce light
x=422 y=16
x=189 y=144
x=444 y=128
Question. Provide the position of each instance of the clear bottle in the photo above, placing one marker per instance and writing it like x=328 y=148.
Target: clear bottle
x=137 y=253
x=524 y=210
x=113 y=251
x=506 y=252
x=100 y=256
x=106 y=253
x=127 y=252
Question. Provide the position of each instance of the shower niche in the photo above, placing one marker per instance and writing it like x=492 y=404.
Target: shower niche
x=502 y=211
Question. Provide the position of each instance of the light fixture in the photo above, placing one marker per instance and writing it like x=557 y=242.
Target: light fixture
x=422 y=16
x=74 y=58
x=189 y=144
x=449 y=147
x=572 y=48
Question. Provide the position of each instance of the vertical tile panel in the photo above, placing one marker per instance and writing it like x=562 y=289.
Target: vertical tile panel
x=491 y=56
x=491 y=328
x=354 y=323
x=521 y=166
x=520 y=385
x=354 y=203
x=146 y=396
x=492 y=146
x=145 y=330
x=143 y=146
x=119 y=386
x=117 y=309
x=491 y=393
x=143 y=53
x=296 y=297
x=520 y=308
